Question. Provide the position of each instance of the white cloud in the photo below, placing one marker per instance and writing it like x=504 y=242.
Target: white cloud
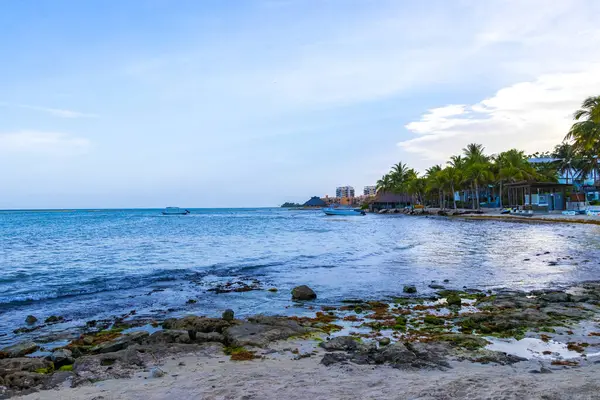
x=529 y=115
x=57 y=112
x=51 y=143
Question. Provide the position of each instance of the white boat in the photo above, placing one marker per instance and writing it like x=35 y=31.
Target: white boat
x=175 y=211
x=343 y=211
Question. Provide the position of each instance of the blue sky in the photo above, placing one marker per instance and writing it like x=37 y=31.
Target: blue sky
x=253 y=103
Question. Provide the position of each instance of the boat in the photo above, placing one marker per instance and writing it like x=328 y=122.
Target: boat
x=175 y=211
x=343 y=211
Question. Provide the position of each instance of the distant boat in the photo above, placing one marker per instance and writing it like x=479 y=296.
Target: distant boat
x=343 y=211
x=175 y=211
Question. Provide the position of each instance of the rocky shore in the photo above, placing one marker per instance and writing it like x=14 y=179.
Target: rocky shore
x=450 y=337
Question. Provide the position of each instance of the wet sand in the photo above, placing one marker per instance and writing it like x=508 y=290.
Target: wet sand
x=282 y=377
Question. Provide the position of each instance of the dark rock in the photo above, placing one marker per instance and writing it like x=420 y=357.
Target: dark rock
x=436 y=287
x=340 y=343
x=471 y=342
x=488 y=356
x=62 y=357
x=120 y=343
x=197 y=324
x=30 y=320
x=25 y=380
x=228 y=315
x=261 y=330
x=385 y=341
x=53 y=319
x=303 y=293
x=20 y=349
x=12 y=365
x=58 y=379
x=556 y=297
x=181 y=336
x=568 y=312
x=409 y=289
x=446 y=280
x=334 y=358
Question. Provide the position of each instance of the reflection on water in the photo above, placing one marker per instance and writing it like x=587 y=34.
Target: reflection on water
x=85 y=265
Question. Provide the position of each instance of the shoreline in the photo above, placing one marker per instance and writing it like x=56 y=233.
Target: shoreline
x=450 y=338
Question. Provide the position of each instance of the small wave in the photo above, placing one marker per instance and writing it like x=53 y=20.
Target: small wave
x=95 y=285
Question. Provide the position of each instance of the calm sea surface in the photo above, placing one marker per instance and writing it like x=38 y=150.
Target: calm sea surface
x=96 y=264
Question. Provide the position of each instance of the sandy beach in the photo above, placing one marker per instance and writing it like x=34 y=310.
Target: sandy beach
x=279 y=376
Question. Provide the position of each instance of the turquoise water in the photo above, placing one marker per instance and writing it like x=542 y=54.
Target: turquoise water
x=96 y=264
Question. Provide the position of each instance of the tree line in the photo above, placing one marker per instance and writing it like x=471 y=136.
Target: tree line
x=474 y=172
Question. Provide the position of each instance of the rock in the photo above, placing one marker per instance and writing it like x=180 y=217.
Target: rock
x=272 y=290
x=228 y=315
x=20 y=349
x=156 y=372
x=568 y=312
x=340 y=343
x=197 y=324
x=384 y=341
x=25 y=380
x=409 y=289
x=334 y=358
x=12 y=365
x=303 y=293
x=436 y=286
x=88 y=340
x=488 y=356
x=120 y=343
x=181 y=336
x=58 y=379
x=53 y=319
x=62 y=357
x=454 y=300
x=261 y=330
x=556 y=297
x=30 y=320
x=446 y=280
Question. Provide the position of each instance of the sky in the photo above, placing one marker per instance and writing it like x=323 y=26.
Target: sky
x=153 y=103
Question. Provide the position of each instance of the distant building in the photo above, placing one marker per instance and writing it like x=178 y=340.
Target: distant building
x=370 y=190
x=315 y=201
x=344 y=191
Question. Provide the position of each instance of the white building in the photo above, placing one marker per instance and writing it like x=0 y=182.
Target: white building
x=370 y=190
x=344 y=191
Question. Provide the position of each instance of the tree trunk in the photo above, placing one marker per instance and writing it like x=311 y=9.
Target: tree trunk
x=477 y=194
x=453 y=196
x=501 y=194
x=472 y=198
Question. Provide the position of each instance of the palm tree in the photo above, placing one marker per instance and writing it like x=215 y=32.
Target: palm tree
x=513 y=166
x=435 y=181
x=384 y=184
x=453 y=177
x=567 y=160
x=478 y=173
x=585 y=133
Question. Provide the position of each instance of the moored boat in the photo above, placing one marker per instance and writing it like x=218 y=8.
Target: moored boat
x=175 y=211
x=343 y=211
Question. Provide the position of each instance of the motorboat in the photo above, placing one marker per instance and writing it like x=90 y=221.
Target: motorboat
x=175 y=211
x=343 y=211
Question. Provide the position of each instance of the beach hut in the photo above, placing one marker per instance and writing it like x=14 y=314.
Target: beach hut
x=390 y=200
x=315 y=201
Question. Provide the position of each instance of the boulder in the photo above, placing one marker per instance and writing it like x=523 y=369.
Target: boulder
x=261 y=330
x=12 y=365
x=25 y=380
x=20 y=349
x=181 y=336
x=340 y=343
x=409 y=289
x=197 y=324
x=53 y=319
x=556 y=297
x=30 y=320
x=454 y=300
x=303 y=293
x=436 y=286
x=62 y=357
x=384 y=341
x=228 y=315
x=121 y=342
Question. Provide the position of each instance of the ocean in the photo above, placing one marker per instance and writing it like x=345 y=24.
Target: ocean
x=94 y=264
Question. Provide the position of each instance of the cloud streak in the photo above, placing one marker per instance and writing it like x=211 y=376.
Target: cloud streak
x=56 y=112
x=39 y=142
